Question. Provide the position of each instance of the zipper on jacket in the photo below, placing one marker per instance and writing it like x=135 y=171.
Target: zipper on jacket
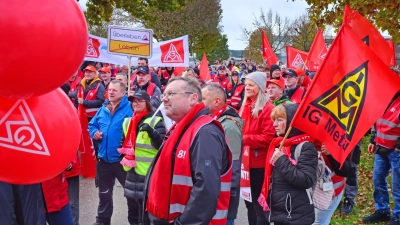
x=108 y=129
x=288 y=196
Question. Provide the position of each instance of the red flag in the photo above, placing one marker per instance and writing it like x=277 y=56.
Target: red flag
x=178 y=71
x=295 y=56
x=317 y=52
x=393 y=59
x=368 y=33
x=267 y=52
x=204 y=70
x=88 y=158
x=346 y=95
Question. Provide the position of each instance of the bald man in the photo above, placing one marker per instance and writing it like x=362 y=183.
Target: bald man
x=214 y=97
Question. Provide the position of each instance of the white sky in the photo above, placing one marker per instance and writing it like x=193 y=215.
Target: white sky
x=240 y=13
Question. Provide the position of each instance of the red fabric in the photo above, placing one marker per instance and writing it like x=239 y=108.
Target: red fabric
x=55 y=193
x=268 y=165
x=257 y=133
x=81 y=74
x=130 y=140
x=306 y=82
x=343 y=122
x=391 y=116
x=178 y=71
x=76 y=168
x=267 y=52
x=295 y=56
x=236 y=98
x=317 y=52
x=219 y=112
x=393 y=59
x=90 y=95
x=222 y=81
x=364 y=30
x=74 y=84
x=160 y=191
x=297 y=95
x=204 y=69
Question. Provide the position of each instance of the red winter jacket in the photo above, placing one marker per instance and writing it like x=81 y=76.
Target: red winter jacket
x=260 y=134
x=55 y=193
x=76 y=168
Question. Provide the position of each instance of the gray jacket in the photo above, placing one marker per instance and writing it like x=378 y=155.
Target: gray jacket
x=155 y=99
x=208 y=144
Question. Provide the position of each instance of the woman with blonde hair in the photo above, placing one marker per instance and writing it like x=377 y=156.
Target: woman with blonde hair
x=258 y=132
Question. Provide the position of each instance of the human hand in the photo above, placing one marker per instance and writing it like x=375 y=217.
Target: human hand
x=147 y=128
x=98 y=135
x=278 y=153
x=80 y=100
x=324 y=150
x=371 y=148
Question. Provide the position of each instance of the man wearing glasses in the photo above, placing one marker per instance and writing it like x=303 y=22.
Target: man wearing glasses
x=293 y=92
x=189 y=179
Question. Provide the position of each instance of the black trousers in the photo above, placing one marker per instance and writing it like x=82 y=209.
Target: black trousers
x=255 y=213
x=106 y=173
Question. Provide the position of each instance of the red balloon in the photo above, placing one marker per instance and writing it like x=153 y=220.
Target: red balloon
x=42 y=44
x=39 y=137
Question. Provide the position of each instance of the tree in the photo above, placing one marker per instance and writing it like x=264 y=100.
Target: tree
x=302 y=33
x=99 y=11
x=119 y=18
x=385 y=15
x=198 y=19
x=276 y=28
x=220 y=52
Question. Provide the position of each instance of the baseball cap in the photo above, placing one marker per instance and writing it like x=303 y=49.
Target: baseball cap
x=277 y=82
x=90 y=68
x=105 y=69
x=290 y=72
x=142 y=69
x=140 y=95
x=222 y=68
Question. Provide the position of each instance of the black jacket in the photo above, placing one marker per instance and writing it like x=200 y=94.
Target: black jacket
x=208 y=144
x=288 y=194
x=134 y=183
x=289 y=92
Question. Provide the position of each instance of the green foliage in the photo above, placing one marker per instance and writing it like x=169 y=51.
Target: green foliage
x=385 y=15
x=302 y=33
x=221 y=50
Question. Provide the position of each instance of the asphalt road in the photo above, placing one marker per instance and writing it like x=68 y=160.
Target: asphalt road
x=89 y=200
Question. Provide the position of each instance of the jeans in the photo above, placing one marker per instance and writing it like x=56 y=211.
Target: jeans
x=255 y=213
x=323 y=217
x=73 y=195
x=351 y=189
x=106 y=173
x=61 y=217
x=382 y=166
x=230 y=222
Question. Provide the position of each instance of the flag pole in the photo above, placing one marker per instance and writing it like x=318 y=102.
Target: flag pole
x=129 y=74
x=304 y=66
x=284 y=138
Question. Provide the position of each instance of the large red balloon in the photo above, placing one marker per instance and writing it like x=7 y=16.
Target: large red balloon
x=39 y=137
x=42 y=43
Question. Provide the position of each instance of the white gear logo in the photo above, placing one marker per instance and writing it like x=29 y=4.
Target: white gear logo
x=91 y=51
x=297 y=60
x=172 y=56
x=22 y=133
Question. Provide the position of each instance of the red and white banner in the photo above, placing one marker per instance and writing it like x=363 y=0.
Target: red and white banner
x=295 y=56
x=171 y=53
x=245 y=190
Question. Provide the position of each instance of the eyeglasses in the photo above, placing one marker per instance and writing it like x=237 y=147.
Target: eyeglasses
x=137 y=101
x=171 y=94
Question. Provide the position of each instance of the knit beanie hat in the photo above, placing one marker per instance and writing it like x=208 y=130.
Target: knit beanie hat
x=260 y=78
x=274 y=67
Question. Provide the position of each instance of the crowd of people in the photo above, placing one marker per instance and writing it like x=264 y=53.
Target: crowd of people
x=190 y=173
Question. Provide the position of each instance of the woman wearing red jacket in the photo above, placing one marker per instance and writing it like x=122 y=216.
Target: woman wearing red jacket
x=258 y=132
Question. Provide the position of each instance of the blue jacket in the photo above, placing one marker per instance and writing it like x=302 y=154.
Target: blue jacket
x=111 y=127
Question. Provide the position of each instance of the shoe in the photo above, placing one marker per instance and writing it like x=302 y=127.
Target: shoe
x=377 y=217
x=394 y=222
x=347 y=206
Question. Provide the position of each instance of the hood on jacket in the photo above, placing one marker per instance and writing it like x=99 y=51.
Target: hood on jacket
x=230 y=112
x=83 y=81
x=290 y=111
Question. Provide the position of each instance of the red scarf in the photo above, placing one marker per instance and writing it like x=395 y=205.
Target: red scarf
x=218 y=113
x=268 y=165
x=160 y=181
x=246 y=115
x=130 y=141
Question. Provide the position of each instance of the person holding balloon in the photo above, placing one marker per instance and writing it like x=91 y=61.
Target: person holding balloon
x=143 y=135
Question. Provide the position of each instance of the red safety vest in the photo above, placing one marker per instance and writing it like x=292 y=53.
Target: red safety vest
x=224 y=82
x=182 y=180
x=166 y=75
x=91 y=95
x=388 y=127
x=74 y=84
x=150 y=88
x=236 y=98
x=297 y=95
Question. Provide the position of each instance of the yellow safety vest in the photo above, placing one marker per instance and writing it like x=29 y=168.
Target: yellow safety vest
x=144 y=151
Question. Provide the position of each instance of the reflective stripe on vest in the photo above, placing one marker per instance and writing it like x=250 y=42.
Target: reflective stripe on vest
x=92 y=95
x=144 y=151
x=388 y=127
x=182 y=181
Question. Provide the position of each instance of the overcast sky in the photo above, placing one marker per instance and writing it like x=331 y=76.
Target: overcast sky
x=240 y=13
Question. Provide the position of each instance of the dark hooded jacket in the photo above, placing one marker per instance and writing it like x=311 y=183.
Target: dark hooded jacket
x=288 y=196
